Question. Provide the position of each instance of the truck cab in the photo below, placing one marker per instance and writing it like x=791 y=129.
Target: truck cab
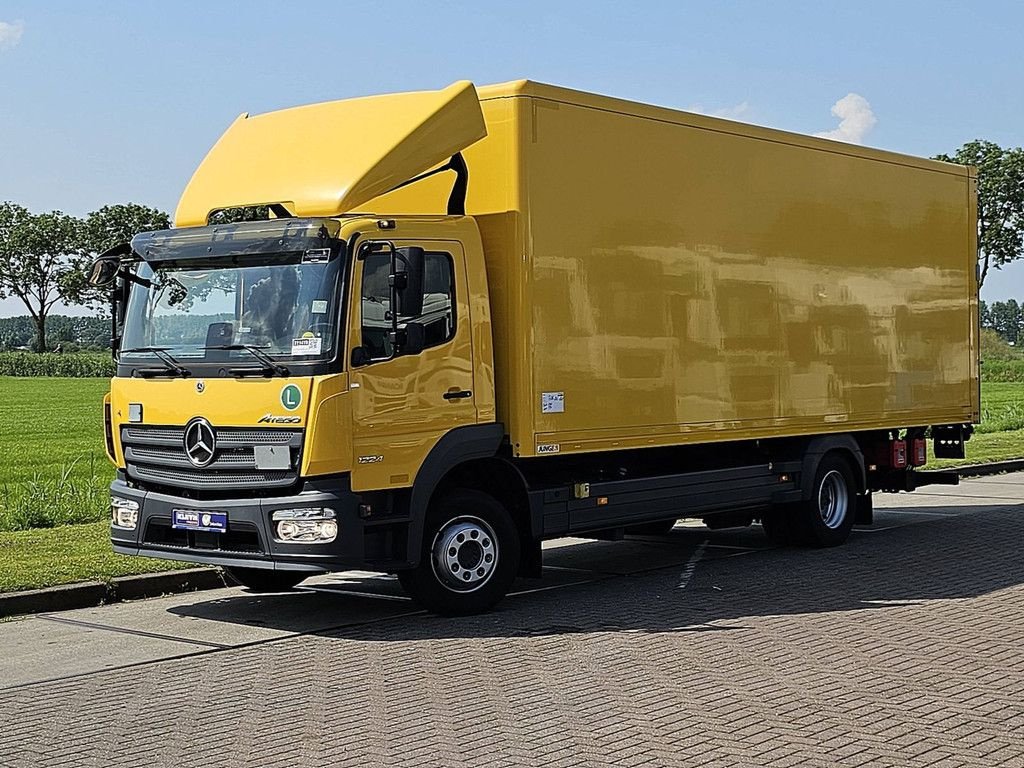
x=281 y=383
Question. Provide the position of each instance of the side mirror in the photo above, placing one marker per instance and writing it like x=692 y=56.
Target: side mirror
x=407 y=280
x=415 y=339
x=103 y=271
x=360 y=357
x=409 y=339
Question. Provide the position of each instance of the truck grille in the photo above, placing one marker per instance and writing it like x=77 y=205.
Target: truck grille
x=155 y=455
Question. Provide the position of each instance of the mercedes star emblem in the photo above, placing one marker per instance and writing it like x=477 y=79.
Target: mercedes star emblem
x=200 y=442
x=200 y=386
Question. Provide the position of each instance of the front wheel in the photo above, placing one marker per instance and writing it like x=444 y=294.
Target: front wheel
x=264 y=579
x=470 y=555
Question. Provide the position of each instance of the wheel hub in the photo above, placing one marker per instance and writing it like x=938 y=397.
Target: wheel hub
x=833 y=499
x=464 y=554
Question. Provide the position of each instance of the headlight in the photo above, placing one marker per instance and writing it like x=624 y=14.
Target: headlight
x=124 y=513
x=311 y=525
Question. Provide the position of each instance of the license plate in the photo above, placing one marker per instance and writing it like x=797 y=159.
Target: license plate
x=194 y=520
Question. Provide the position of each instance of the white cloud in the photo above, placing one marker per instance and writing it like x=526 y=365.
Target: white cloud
x=856 y=119
x=736 y=112
x=10 y=33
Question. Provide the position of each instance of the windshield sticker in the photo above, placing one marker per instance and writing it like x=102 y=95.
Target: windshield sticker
x=316 y=256
x=319 y=307
x=308 y=345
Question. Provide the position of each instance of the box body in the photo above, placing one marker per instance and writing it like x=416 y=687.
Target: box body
x=658 y=277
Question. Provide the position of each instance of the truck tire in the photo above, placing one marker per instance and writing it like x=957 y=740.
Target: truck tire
x=470 y=555
x=826 y=518
x=265 y=580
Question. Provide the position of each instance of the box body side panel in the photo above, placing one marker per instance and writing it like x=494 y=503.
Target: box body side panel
x=691 y=285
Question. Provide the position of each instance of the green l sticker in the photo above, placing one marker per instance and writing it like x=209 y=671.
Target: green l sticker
x=291 y=396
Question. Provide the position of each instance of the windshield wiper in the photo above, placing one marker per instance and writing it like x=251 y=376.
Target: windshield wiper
x=269 y=363
x=164 y=357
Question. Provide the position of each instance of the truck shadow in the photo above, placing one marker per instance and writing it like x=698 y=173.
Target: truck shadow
x=692 y=580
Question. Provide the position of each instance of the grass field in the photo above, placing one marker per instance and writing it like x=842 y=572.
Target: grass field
x=1000 y=435
x=55 y=474
x=47 y=423
x=54 y=471
x=49 y=556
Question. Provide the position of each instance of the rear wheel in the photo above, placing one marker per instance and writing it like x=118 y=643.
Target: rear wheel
x=264 y=579
x=470 y=555
x=826 y=518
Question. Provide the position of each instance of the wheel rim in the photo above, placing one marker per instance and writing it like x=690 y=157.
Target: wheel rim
x=464 y=554
x=833 y=499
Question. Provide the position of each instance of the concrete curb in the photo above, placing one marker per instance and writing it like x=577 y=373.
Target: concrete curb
x=992 y=468
x=91 y=593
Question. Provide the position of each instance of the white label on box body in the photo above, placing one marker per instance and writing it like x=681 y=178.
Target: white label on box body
x=552 y=402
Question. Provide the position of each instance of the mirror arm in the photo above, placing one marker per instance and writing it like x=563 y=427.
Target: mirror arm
x=114 y=340
x=133 y=278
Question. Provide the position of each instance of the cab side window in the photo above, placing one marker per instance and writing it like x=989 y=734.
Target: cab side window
x=437 y=317
x=376 y=306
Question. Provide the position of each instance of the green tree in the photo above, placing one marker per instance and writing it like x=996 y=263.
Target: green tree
x=37 y=251
x=109 y=226
x=1000 y=201
x=984 y=315
x=1006 y=319
x=995 y=347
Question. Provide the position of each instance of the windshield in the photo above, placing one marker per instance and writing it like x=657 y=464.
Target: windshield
x=285 y=305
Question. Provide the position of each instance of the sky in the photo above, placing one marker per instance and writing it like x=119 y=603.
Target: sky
x=119 y=101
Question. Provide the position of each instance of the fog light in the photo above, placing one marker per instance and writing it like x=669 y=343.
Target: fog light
x=124 y=513
x=316 y=525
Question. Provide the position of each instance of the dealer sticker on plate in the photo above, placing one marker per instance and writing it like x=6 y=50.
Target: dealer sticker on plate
x=194 y=520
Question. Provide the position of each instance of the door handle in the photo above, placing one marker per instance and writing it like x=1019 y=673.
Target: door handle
x=457 y=394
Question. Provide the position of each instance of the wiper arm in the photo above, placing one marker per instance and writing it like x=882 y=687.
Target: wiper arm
x=161 y=354
x=268 y=362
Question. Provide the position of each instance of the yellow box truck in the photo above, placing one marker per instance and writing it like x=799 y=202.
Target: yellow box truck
x=465 y=321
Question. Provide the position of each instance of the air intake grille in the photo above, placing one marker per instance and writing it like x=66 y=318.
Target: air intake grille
x=155 y=455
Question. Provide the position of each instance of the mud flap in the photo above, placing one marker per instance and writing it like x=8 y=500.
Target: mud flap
x=864 y=513
x=530 y=560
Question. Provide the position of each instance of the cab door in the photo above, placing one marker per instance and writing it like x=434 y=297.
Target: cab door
x=402 y=404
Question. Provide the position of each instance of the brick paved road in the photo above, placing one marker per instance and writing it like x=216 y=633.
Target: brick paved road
x=903 y=648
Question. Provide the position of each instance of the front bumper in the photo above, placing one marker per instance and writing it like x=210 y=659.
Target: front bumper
x=248 y=541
